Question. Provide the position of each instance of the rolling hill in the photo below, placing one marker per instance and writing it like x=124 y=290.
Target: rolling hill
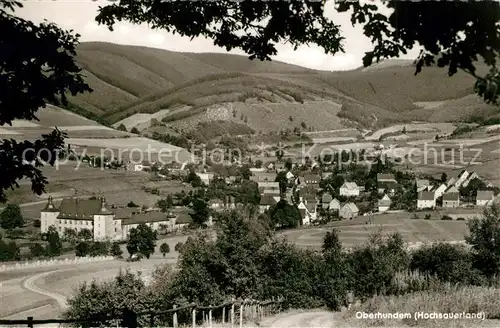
x=133 y=85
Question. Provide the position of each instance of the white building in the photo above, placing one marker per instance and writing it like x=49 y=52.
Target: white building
x=426 y=200
x=451 y=199
x=349 y=189
x=384 y=204
x=205 y=177
x=439 y=191
x=334 y=205
x=458 y=180
x=484 y=197
x=349 y=211
x=307 y=212
x=473 y=175
x=95 y=216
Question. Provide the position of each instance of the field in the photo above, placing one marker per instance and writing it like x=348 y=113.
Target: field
x=357 y=231
x=118 y=187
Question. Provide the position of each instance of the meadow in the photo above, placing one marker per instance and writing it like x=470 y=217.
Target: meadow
x=357 y=231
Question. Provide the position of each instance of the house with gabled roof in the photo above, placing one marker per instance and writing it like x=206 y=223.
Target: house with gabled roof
x=484 y=197
x=387 y=187
x=311 y=180
x=349 y=211
x=451 y=199
x=384 y=204
x=426 y=200
x=326 y=198
x=349 y=189
x=307 y=212
x=266 y=201
x=386 y=177
x=263 y=177
x=439 y=191
x=458 y=179
x=423 y=184
x=472 y=175
x=334 y=205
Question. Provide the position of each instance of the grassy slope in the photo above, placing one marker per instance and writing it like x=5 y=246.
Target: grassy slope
x=130 y=79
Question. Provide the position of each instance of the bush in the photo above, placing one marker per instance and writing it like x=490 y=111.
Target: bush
x=446 y=217
x=449 y=263
x=427 y=217
x=178 y=247
x=460 y=219
x=37 y=223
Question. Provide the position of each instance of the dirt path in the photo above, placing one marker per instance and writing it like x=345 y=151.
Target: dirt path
x=29 y=284
x=315 y=319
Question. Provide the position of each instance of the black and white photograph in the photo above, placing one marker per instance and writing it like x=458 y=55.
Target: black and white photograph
x=249 y=164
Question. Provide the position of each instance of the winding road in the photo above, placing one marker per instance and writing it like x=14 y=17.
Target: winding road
x=29 y=284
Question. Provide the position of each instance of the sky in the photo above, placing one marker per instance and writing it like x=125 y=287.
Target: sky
x=79 y=15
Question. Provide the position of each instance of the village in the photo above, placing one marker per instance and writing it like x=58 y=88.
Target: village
x=291 y=192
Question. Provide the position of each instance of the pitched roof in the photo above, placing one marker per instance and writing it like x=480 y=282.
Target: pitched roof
x=311 y=207
x=311 y=177
x=148 y=217
x=385 y=176
x=425 y=195
x=423 y=183
x=326 y=198
x=485 y=195
x=181 y=214
x=268 y=184
x=451 y=196
x=50 y=207
x=451 y=189
x=79 y=209
x=263 y=176
x=351 y=206
x=384 y=202
x=350 y=185
x=267 y=200
x=387 y=185
x=125 y=212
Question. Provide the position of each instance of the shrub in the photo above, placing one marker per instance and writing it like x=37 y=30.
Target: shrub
x=460 y=219
x=446 y=217
x=449 y=263
x=427 y=217
x=37 y=223
x=178 y=247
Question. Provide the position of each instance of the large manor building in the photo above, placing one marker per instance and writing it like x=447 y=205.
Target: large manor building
x=104 y=222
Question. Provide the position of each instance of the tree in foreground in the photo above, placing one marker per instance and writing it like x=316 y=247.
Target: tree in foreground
x=126 y=291
x=164 y=249
x=142 y=240
x=484 y=237
x=199 y=213
x=116 y=250
x=36 y=250
x=36 y=67
x=54 y=246
x=82 y=249
x=85 y=235
x=331 y=242
x=452 y=34
x=11 y=217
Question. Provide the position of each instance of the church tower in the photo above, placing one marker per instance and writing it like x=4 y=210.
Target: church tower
x=104 y=223
x=48 y=216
